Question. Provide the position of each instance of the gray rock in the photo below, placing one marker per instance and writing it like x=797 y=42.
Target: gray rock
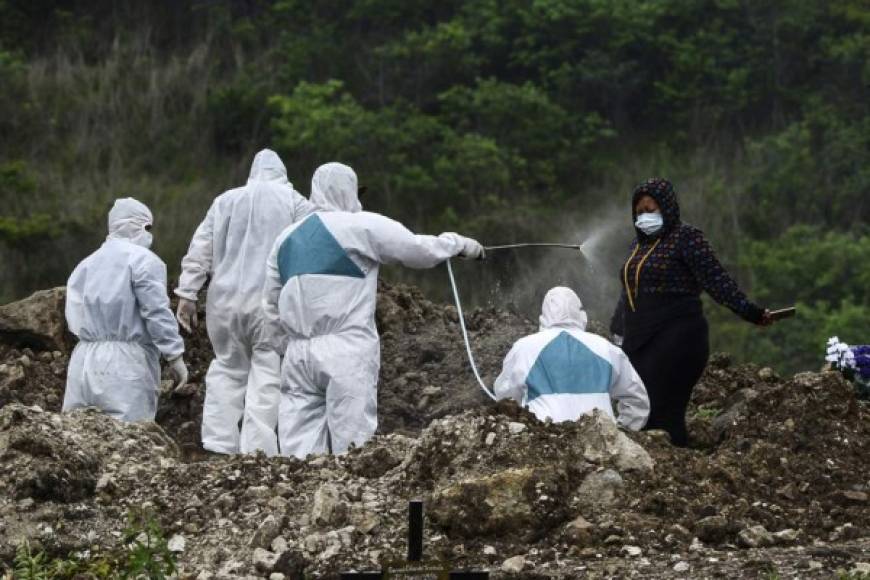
x=860 y=569
x=327 y=508
x=599 y=488
x=786 y=537
x=714 y=529
x=264 y=560
x=37 y=321
x=231 y=569
x=755 y=537
x=516 y=428
x=489 y=505
x=258 y=492
x=850 y=497
x=579 y=531
x=106 y=483
x=267 y=531
x=279 y=545
x=847 y=531
x=514 y=565
x=737 y=407
x=176 y=543
x=11 y=377
x=605 y=443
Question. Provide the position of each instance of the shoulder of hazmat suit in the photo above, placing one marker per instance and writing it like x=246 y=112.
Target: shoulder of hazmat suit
x=319 y=300
x=231 y=246
x=563 y=372
x=118 y=307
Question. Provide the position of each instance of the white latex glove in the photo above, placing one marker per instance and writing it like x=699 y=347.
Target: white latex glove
x=179 y=371
x=186 y=315
x=472 y=250
x=617 y=340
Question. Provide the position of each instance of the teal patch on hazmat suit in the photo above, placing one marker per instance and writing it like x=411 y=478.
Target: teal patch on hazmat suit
x=312 y=249
x=567 y=366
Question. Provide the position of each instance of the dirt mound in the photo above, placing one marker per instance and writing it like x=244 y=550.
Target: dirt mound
x=424 y=369
x=776 y=479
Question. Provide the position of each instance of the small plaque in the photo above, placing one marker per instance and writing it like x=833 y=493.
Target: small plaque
x=428 y=570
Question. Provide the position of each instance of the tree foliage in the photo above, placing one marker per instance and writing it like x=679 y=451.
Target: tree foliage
x=498 y=118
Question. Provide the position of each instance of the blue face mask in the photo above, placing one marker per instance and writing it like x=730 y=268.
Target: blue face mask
x=649 y=223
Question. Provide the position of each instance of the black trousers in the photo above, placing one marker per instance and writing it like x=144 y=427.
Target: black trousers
x=670 y=364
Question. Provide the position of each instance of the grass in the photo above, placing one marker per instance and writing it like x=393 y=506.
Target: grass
x=144 y=554
x=707 y=412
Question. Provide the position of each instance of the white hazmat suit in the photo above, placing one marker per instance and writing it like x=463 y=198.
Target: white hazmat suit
x=562 y=371
x=319 y=301
x=117 y=305
x=231 y=245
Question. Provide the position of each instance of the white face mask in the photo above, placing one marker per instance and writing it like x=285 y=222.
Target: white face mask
x=649 y=223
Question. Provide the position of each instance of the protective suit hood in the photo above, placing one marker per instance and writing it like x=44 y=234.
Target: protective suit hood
x=127 y=221
x=562 y=309
x=334 y=188
x=663 y=192
x=267 y=166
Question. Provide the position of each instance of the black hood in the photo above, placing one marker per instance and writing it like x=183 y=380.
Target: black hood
x=663 y=192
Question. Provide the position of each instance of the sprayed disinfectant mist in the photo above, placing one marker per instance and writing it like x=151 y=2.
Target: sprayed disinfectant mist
x=589 y=265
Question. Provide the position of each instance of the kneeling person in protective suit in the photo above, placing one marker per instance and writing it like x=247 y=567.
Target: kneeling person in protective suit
x=117 y=305
x=319 y=301
x=563 y=371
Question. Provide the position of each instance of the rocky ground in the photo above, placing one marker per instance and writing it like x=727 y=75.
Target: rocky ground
x=776 y=484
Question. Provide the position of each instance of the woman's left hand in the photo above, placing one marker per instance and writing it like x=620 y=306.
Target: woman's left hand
x=766 y=318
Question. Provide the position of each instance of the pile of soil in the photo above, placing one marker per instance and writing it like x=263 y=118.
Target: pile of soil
x=776 y=480
x=425 y=372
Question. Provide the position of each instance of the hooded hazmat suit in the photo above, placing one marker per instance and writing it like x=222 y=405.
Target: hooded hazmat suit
x=231 y=245
x=117 y=305
x=319 y=301
x=563 y=372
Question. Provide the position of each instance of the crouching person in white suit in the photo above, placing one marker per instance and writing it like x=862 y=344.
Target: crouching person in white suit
x=562 y=371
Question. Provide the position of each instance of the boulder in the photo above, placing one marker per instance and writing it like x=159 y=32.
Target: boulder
x=755 y=537
x=600 y=488
x=327 y=508
x=579 y=532
x=266 y=532
x=37 y=322
x=604 y=443
x=264 y=560
x=513 y=565
x=714 y=529
x=518 y=499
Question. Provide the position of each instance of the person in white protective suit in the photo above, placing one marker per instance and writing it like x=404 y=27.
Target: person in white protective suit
x=117 y=305
x=562 y=371
x=319 y=301
x=231 y=244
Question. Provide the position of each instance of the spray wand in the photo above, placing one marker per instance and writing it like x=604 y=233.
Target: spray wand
x=534 y=245
x=477 y=376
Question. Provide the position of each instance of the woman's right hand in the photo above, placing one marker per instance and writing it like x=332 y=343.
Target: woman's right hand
x=766 y=318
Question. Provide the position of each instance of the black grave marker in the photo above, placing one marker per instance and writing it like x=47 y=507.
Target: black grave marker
x=415 y=568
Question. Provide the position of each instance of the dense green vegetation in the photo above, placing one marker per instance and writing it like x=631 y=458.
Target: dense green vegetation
x=508 y=120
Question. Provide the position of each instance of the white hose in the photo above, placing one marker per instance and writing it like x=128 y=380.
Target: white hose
x=465 y=332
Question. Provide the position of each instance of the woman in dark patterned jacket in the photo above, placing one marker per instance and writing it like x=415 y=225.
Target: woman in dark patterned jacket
x=659 y=318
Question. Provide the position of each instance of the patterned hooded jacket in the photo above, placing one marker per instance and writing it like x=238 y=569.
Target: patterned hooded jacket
x=675 y=261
